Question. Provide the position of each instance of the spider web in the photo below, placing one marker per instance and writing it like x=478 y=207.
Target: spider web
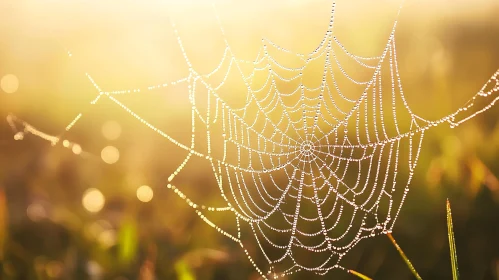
x=319 y=165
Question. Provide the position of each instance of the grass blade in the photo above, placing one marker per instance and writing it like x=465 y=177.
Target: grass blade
x=452 y=243
x=358 y=274
x=404 y=257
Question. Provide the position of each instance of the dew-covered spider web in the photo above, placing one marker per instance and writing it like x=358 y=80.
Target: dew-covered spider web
x=312 y=164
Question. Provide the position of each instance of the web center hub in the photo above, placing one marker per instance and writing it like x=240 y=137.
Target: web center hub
x=307 y=148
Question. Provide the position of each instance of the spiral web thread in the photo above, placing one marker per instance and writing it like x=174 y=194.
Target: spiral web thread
x=318 y=167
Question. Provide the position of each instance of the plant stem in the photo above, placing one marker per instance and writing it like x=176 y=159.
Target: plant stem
x=407 y=261
x=358 y=274
x=452 y=243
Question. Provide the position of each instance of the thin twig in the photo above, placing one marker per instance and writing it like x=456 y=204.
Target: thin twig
x=452 y=243
x=407 y=261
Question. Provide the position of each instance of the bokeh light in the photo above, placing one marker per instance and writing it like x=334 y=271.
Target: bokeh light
x=93 y=200
x=36 y=212
x=76 y=149
x=145 y=193
x=107 y=238
x=94 y=269
x=9 y=83
x=111 y=130
x=110 y=154
x=54 y=269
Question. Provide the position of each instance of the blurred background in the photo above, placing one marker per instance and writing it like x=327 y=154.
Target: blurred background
x=97 y=207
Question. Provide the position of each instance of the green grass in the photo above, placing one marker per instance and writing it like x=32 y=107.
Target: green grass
x=452 y=246
x=404 y=257
x=452 y=243
x=358 y=274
